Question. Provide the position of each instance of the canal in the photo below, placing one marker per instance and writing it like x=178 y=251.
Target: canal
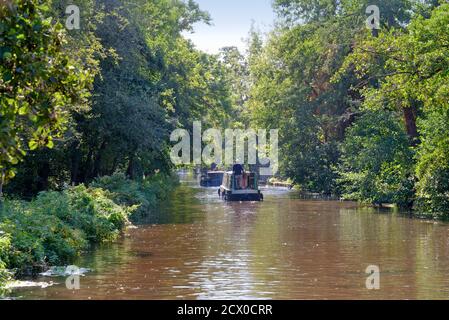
x=199 y=247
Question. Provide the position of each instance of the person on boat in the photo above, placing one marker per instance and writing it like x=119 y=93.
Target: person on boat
x=238 y=172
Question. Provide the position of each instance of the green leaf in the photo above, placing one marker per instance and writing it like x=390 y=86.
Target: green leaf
x=7 y=55
x=33 y=145
x=23 y=110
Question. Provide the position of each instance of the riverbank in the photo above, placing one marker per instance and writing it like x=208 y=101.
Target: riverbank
x=276 y=182
x=58 y=226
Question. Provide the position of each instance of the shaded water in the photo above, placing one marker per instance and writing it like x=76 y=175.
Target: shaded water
x=199 y=247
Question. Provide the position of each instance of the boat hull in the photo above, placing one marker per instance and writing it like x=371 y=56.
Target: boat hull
x=228 y=195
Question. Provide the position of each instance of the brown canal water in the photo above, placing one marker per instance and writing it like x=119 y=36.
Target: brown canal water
x=199 y=247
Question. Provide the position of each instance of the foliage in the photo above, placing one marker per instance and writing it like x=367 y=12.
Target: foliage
x=57 y=226
x=39 y=83
x=406 y=69
x=432 y=169
x=148 y=80
x=292 y=92
x=236 y=74
x=375 y=162
x=5 y=275
x=321 y=71
x=414 y=63
x=145 y=194
x=104 y=99
x=394 y=13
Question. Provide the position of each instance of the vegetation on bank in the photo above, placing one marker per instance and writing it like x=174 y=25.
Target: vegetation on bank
x=57 y=226
x=143 y=195
x=92 y=107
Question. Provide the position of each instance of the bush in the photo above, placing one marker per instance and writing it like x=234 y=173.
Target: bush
x=57 y=226
x=307 y=157
x=432 y=168
x=5 y=275
x=145 y=194
x=375 y=165
x=93 y=211
x=37 y=238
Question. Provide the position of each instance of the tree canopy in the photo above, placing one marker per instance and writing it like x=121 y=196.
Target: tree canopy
x=344 y=98
x=361 y=114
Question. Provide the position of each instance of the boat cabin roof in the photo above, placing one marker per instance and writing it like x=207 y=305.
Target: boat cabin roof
x=232 y=172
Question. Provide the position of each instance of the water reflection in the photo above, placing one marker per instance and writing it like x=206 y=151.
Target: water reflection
x=199 y=247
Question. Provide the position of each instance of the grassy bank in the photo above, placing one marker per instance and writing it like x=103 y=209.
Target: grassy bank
x=56 y=227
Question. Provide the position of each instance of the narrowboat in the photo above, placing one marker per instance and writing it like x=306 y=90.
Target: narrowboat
x=240 y=188
x=211 y=179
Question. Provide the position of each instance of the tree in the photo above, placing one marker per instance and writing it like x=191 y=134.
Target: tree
x=394 y=13
x=375 y=164
x=237 y=76
x=291 y=90
x=409 y=66
x=303 y=84
x=432 y=170
x=125 y=119
x=40 y=82
x=148 y=79
x=307 y=10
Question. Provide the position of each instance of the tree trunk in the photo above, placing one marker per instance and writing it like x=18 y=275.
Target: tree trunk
x=2 y=182
x=130 y=170
x=1 y=194
x=410 y=116
x=346 y=121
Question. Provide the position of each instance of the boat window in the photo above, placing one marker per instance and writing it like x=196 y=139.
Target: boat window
x=251 y=182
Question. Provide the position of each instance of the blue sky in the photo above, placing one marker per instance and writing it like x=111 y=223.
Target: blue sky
x=231 y=21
